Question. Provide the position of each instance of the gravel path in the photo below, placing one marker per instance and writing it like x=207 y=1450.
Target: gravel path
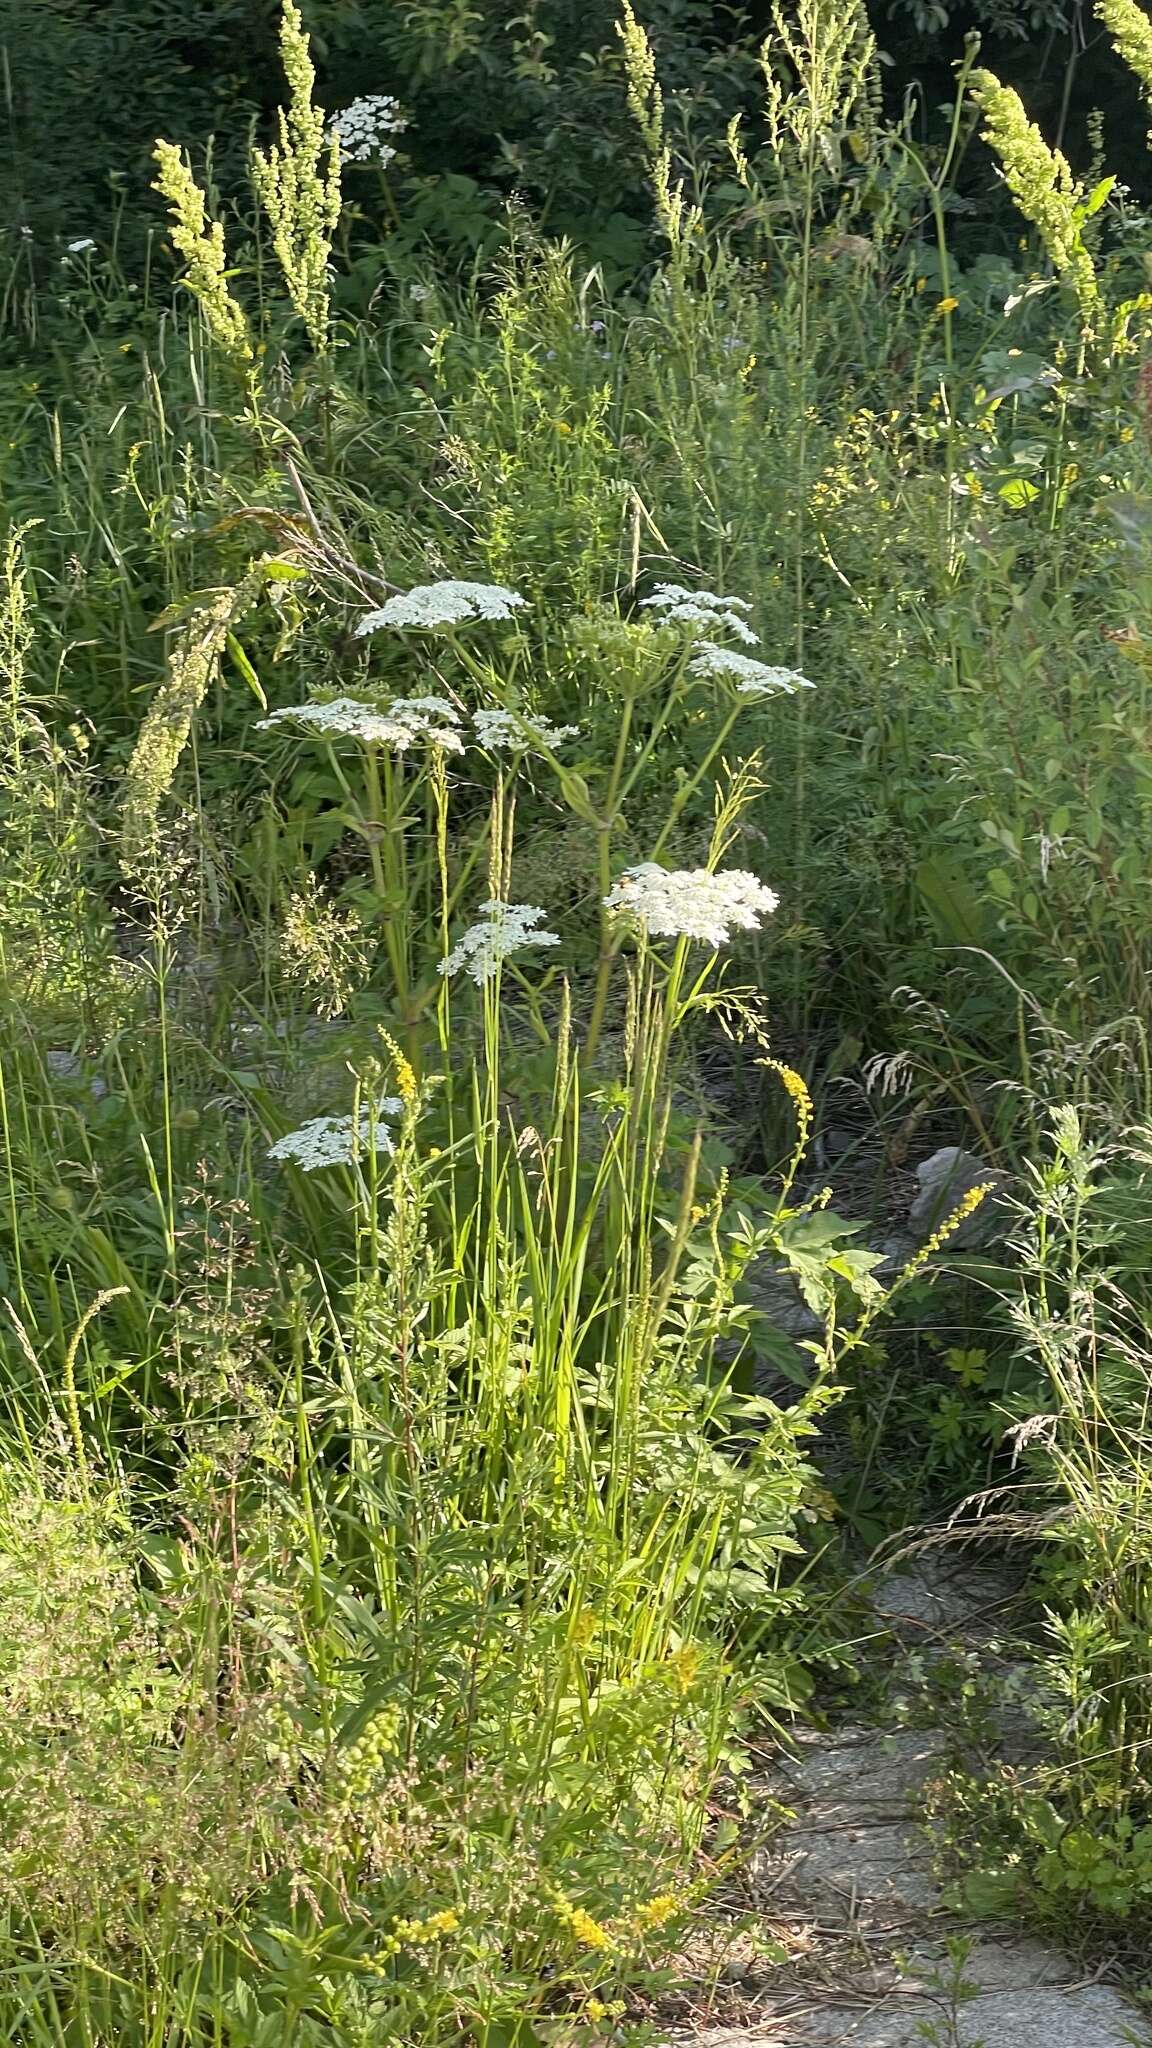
x=850 y=1881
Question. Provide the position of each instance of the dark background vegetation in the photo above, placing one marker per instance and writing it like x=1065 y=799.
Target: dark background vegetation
x=501 y=101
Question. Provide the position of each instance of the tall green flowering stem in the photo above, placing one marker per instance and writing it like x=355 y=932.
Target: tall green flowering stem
x=1041 y=182
x=298 y=181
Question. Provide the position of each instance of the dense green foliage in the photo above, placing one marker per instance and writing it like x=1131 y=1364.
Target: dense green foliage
x=530 y=103
x=394 y=1545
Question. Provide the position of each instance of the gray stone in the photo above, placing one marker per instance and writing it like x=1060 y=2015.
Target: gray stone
x=1095 y=2017
x=851 y=1873
x=941 y=1593
x=853 y=1847
x=63 y=1066
x=944 y=1180
x=896 y=1252
x=67 y=1066
x=1045 y=2017
x=882 y=1874
x=862 y=1773
x=772 y=1289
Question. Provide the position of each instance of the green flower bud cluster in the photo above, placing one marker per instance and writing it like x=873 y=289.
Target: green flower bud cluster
x=282 y=1740
x=357 y=1767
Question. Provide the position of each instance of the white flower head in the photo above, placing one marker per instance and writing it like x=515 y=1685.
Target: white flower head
x=81 y=247
x=752 y=678
x=503 y=929
x=361 y=128
x=499 y=728
x=405 y=721
x=336 y=1140
x=442 y=604
x=701 y=608
x=691 y=903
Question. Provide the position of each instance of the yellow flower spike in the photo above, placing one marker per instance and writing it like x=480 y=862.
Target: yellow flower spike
x=415 y=1933
x=406 y=1083
x=200 y=241
x=297 y=180
x=587 y=1931
x=1131 y=32
x=797 y=1088
x=943 y=1231
x=657 y=1912
x=684 y=1665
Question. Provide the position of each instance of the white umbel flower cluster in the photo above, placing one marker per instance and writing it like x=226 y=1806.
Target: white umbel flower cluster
x=752 y=678
x=701 y=608
x=362 y=128
x=503 y=929
x=407 y=720
x=500 y=728
x=691 y=903
x=335 y=1140
x=429 y=605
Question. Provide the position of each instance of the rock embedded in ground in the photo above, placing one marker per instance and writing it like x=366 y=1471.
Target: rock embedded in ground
x=941 y=1594
x=944 y=1181
x=1030 y=2017
x=773 y=1290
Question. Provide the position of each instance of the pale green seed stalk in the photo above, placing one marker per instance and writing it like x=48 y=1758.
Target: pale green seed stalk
x=298 y=183
x=1131 y=33
x=646 y=101
x=71 y=1397
x=1041 y=182
x=192 y=665
x=201 y=243
x=817 y=67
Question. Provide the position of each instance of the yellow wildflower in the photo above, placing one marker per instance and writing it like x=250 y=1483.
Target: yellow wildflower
x=585 y=1928
x=947 y=305
x=656 y=1912
x=1131 y=31
x=684 y=1665
x=415 y=1932
x=406 y=1083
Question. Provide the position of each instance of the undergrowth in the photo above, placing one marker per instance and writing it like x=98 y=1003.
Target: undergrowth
x=492 y=771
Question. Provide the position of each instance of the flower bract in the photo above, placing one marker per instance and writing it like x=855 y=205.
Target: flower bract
x=404 y=722
x=499 y=728
x=362 y=128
